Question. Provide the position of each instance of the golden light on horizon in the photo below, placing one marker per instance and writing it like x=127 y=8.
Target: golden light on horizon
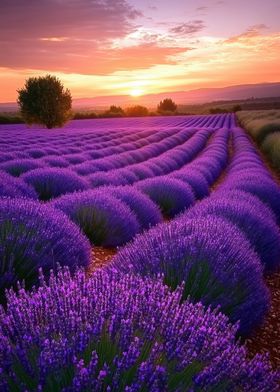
x=136 y=92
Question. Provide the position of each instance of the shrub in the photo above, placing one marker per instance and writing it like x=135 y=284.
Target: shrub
x=271 y=147
x=104 y=219
x=147 y=212
x=36 y=152
x=214 y=260
x=252 y=217
x=266 y=130
x=34 y=236
x=102 y=334
x=16 y=167
x=103 y=178
x=137 y=111
x=15 y=187
x=44 y=100
x=53 y=182
x=171 y=195
x=236 y=108
x=167 y=105
x=265 y=189
x=196 y=180
x=114 y=111
x=56 y=161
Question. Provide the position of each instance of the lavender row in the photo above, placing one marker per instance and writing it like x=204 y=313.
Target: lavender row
x=123 y=329
x=231 y=220
x=121 y=333
x=16 y=138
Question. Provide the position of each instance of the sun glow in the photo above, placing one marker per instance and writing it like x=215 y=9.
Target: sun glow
x=136 y=92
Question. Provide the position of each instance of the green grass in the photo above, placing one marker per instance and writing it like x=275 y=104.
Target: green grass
x=264 y=127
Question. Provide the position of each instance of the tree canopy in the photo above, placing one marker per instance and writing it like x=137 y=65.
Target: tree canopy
x=44 y=100
x=167 y=105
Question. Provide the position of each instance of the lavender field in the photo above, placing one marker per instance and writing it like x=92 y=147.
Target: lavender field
x=145 y=245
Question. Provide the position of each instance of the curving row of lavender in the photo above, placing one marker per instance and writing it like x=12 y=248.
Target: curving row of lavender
x=123 y=329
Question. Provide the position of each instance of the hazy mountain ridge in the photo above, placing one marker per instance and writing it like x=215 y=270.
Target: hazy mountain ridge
x=202 y=95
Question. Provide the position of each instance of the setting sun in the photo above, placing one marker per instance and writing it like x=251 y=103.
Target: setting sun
x=136 y=92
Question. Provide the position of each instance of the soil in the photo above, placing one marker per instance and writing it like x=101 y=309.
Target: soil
x=100 y=257
x=267 y=337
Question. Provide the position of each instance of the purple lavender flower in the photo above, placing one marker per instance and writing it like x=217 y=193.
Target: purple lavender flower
x=264 y=188
x=171 y=195
x=111 y=333
x=16 y=167
x=251 y=216
x=195 y=179
x=211 y=256
x=34 y=236
x=15 y=187
x=53 y=182
x=104 y=219
x=147 y=212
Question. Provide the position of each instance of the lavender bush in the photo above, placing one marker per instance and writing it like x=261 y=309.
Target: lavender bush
x=53 y=182
x=130 y=334
x=211 y=256
x=16 y=167
x=195 y=179
x=252 y=217
x=147 y=212
x=264 y=188
x=171 y=195
x=34 y=236
x=104 y=219
x=15 y=187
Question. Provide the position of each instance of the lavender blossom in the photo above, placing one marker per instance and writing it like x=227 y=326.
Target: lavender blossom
x=123 y=334
x=104 y=219
x=34 y=236
x=211 y=256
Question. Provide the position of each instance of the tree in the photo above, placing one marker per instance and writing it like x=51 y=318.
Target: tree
x=44 y=100
x=167 y=105
x=114 y=111
x=137 y=111
x=236 y=108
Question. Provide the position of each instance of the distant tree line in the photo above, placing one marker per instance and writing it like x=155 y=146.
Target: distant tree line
x=44 y=100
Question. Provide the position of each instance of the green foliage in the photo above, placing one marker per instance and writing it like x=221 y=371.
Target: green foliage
x=264 y=127
x=266 y=130
x=114 y=111
x=137 y=111
x=10 y=119
x=43 y=100
x=85 y=115
x=218 y=111
x=271 y=147
x=236 y=108
x=167 y=105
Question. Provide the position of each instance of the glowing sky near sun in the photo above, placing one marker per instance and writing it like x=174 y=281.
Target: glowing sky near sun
x=115 y=47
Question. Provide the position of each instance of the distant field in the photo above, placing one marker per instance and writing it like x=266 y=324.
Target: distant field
x=154 y=222
x=264 y=126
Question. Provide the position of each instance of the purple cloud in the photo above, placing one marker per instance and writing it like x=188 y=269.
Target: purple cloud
x=46 y=33
x=251 y=32
x=188 y=28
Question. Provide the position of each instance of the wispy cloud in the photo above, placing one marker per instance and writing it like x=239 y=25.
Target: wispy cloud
x=188 y=28
x=251 y=32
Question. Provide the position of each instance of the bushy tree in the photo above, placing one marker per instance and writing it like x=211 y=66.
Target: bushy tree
x=167 y=105
x=236 y=108
x=137 y=111
x=114 y=111
x=44 y=100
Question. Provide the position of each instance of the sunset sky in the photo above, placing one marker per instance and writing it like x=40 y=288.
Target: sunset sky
x=115 y=47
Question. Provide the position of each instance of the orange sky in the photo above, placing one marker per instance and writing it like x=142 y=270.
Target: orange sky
x=115 y=47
